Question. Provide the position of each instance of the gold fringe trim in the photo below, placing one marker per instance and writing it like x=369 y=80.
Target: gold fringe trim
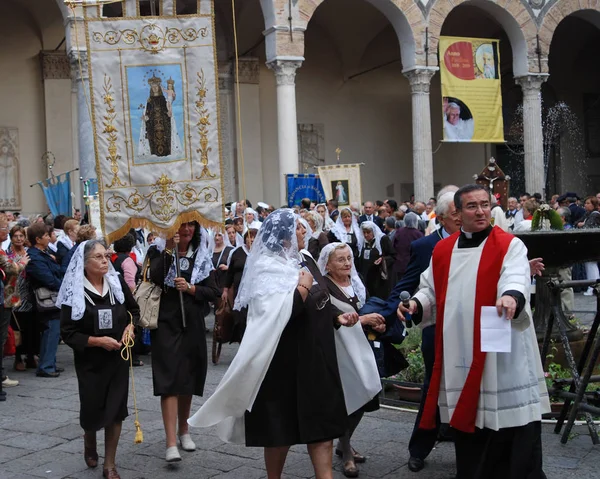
x=185 y=217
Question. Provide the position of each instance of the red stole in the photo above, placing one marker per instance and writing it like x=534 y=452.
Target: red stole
x=488 y=275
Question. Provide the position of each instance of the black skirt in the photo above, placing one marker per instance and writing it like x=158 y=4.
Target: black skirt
x=301 y=400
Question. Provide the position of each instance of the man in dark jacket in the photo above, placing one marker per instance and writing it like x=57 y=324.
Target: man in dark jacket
x=422 y=441
x=369 y=215
x=44 y=272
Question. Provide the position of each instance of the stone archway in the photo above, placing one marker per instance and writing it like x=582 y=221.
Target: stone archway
x=557 y=13
x=408 y=24
x=514 y=19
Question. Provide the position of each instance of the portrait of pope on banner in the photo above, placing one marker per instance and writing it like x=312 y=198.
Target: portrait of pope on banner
x=161 y=117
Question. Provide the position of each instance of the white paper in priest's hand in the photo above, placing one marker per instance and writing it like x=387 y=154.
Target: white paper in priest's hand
x=495 y=331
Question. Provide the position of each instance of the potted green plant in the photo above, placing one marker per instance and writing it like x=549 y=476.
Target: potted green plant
x=409 y=382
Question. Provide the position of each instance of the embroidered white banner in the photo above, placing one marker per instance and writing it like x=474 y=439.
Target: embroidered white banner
x=342 y=183
x=155 y=115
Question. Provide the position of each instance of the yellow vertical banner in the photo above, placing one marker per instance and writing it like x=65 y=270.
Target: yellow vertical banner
x=471 y=90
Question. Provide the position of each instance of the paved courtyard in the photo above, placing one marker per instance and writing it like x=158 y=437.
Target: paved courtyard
x=40 y=437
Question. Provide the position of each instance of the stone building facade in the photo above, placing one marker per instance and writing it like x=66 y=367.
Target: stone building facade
x=315 y=75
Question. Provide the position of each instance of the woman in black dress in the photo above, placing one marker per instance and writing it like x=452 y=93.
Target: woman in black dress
x=346 y=230
x=283 y=387
x=376 y=260
x=179 y=355
x=233 y=278
x=221 y=249
x=97 y=313
x=360 y=377
x=318 y=238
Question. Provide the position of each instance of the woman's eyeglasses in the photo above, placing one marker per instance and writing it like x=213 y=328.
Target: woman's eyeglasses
x=100 y=257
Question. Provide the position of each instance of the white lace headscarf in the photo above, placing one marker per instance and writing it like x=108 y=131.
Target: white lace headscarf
x=357 y=284
x=202 y=264
x=273 y=264
x=328 y=223
x=339 y=230
x=369 y=225
x=72 y=288
x=317 y=219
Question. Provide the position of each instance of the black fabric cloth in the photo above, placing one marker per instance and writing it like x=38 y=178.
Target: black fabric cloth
x=103 y=376
x=315 y=245
x=422 y=441
x=233 y=278
x=118 y=265
x=218 y=259
x=509 y=453
x=61 y=252
x=371 y=272
x=179 y=356
x=353 y=243
x=158 y=125
x=301 y=400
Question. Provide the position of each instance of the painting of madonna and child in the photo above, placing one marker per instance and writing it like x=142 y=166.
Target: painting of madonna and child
x=156 y=106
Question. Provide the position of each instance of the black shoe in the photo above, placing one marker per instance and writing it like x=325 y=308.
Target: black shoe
x=415 y=464
x=44 y=374
x=59 y=370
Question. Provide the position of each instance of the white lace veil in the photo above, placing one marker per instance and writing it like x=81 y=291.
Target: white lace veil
x=369 y=225
x=72 y=289
x=357 y=284
x=273 y=263
x=339 y=230
x=212 y=232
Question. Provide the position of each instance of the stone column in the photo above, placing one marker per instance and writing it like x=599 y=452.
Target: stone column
x=287 y=124
x=533 y=135
x=80 y=77
x=420 y=79
x=228 y=135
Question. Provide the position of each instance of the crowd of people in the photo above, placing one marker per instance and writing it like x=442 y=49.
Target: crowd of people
x=311 y=288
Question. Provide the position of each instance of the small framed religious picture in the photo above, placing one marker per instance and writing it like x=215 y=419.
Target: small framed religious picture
x=341 y=192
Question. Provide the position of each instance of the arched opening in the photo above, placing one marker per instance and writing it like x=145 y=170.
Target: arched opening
x=457 y=162
x=572 y=105
x=351 y=94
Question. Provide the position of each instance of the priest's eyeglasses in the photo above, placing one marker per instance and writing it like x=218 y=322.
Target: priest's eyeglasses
x=485 y=205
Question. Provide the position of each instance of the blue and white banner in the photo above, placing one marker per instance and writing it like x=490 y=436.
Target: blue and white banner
x=304 y=186
x=57 y=191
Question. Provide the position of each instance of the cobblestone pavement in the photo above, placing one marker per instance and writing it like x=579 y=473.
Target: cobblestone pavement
x=40 y=437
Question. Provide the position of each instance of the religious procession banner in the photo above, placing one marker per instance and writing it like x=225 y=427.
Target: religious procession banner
x=155 y=116
x=342 y=183
x=471 y=90
x=304 y=186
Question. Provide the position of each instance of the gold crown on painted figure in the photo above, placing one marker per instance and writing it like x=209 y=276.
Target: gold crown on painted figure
x=170 y=81
x=154 y=80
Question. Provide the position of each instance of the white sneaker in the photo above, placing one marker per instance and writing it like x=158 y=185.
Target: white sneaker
x=9 y=383
x=589 y=292
x=172 y=454
x=186 y=443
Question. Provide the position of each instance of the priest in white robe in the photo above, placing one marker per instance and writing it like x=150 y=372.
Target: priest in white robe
x=494 y=401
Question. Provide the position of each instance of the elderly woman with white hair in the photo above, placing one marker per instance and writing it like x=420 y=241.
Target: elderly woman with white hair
x=318 y=238
x=376 y=260
x=98 y=313
x=402 y=240
x=358 y=368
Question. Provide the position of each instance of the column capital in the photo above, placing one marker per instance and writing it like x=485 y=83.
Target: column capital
x=285 y=69
x=531 y=84
x=420 y=78
x=79 y=65
x=55 y=65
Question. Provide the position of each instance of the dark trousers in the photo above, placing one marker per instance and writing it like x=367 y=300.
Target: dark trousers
x=510 y=453
x=422 y=441
x=30 y=337
x=4 y=323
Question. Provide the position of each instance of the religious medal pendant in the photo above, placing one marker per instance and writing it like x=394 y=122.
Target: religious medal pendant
x=184 y=264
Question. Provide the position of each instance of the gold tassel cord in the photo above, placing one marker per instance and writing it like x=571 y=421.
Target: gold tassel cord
x=127 y=355
x=238 y=101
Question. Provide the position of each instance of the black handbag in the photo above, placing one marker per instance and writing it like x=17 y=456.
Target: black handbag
x=45 y=299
